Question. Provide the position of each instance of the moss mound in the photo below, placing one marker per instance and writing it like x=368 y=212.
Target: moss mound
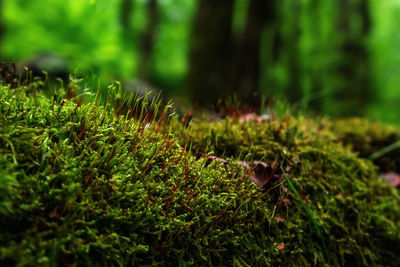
x=368 y=138
x=81 y=185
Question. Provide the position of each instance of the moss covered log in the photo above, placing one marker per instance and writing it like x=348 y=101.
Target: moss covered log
x=82 y=185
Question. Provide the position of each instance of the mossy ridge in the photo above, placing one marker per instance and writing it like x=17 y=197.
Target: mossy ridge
x=85 y=187
x=343 y=189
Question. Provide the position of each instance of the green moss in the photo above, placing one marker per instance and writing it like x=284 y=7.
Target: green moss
x=343 y=190
x=367 y=138
x=82 y=186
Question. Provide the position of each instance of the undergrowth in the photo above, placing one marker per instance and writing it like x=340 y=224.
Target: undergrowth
x=85 y=183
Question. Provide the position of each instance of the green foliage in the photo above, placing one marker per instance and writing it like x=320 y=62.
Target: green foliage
x=82 y=184
x=80 y=30
x=90 y=35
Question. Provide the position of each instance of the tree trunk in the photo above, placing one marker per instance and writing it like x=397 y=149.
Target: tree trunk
x=353 y=92
x=315 y=70
x=246 y=66
x=295 y=89
x=2 y=29
x=147 y=41
x=125 y=16
x=210 y=53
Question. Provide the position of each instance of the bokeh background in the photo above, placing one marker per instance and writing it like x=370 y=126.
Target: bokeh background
x=335 y=57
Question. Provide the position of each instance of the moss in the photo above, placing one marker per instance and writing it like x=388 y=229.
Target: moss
x=84 y=186
x=343 y=189
x=367 y=138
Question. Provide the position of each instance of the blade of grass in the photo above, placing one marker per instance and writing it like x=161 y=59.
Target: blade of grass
x=385 y=150
x=307 y=210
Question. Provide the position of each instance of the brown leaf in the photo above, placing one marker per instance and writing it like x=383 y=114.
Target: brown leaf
x=262 y=173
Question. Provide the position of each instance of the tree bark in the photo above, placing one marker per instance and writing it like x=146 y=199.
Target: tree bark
x=353 y=91
x=246 y=66
x=295 y=88
x=2 y=29
x=147 y=40
x=126 y=15
x=210 y=51
x=315 y=70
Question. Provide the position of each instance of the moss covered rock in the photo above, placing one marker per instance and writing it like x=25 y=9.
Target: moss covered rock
x=83 y=186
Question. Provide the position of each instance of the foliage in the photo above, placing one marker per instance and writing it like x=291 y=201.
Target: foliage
x=90 y=35
x=82 y=184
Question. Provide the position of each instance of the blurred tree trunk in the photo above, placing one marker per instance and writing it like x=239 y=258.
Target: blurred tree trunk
x=277 y=45
x=148 y=40
x=353 y=91
x=246 y=64
x=294 y=86
x=125 y=17
x=2 y=29
x=210 y=51
x=318 y=53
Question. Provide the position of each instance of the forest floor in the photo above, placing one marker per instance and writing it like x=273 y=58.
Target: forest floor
x=85 y=182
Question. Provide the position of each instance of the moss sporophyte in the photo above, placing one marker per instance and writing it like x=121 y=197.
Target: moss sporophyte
x=84 y=183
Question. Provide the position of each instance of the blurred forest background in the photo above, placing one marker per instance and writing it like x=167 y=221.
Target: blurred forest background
x=337 y=57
